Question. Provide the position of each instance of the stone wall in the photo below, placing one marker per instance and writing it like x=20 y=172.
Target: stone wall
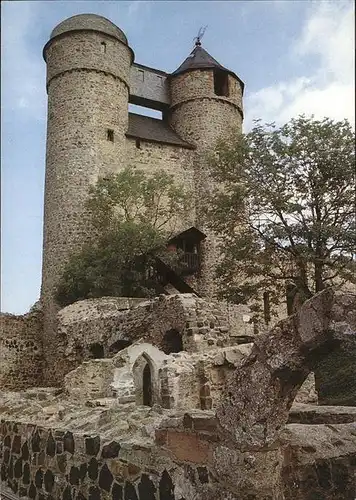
x=49 y=463
x=53 y=464
x=180 y=380
x=200 y=324
x=21 y=353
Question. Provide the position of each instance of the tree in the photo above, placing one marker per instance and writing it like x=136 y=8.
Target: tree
x=284 y=208
x=133 y=214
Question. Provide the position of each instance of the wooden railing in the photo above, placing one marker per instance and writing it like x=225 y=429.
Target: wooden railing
x=191 y=262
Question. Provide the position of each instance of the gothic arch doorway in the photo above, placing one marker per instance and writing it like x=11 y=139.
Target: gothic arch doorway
x=144 y=375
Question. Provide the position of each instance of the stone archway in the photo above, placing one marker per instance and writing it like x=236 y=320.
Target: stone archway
x=145 y=376
x=252 y=417
x=260 y=395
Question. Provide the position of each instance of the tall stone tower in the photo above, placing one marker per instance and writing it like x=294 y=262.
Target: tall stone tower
x=206 y=104
x=88 y=65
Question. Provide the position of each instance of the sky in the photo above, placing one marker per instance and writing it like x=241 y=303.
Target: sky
x=294 y=57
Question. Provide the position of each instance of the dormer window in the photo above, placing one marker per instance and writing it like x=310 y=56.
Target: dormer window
x=221 y=83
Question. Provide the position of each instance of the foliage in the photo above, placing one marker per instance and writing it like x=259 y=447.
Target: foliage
x=133 y=215
x=285 y=208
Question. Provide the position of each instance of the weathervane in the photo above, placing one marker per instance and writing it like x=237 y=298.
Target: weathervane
x=199 y=36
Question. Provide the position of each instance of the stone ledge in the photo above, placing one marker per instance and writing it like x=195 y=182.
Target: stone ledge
x=312 y=414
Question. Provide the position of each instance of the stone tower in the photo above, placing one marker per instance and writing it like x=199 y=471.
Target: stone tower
x=88 y=64
x=206 y=104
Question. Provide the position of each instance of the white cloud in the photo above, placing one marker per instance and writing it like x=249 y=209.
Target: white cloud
x=328 y=35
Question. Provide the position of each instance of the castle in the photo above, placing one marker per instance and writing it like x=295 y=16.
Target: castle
x=91 y=79
x=173 y=398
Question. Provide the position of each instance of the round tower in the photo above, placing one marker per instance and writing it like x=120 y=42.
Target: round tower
x=88 y=65
x=206 y=99
x=206 y=104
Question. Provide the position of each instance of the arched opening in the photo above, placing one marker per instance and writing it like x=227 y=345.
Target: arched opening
x=119 y=345
x=145 y=380
x=96 y=350
x=147 y=386
x=172 y=342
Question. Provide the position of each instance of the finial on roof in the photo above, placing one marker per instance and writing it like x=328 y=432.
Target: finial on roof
x=199 y=36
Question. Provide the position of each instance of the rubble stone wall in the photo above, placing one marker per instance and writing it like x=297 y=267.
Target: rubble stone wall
x=201 y=324
x=186 y=462
x=53 y=464
x=21 y=353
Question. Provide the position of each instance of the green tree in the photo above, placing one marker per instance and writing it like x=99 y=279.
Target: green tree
x=284 y=207
x=133 y=214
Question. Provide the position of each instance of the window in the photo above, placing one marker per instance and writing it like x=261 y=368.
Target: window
x=103 y=47
x=187 y=246
x=138 y=143
x=221 y=83
x=141 y=75
x=110 y=135
x=159 y=81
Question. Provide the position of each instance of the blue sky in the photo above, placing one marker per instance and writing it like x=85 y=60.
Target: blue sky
x=294 y=57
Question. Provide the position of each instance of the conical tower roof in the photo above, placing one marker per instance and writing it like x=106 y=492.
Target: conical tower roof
x=199 y=58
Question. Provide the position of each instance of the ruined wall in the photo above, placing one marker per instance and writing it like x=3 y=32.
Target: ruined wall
x=84 y=330
x=21 y=353
x=246 y=450
x=198 y=380
x=201 y=324
x=179 y=380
